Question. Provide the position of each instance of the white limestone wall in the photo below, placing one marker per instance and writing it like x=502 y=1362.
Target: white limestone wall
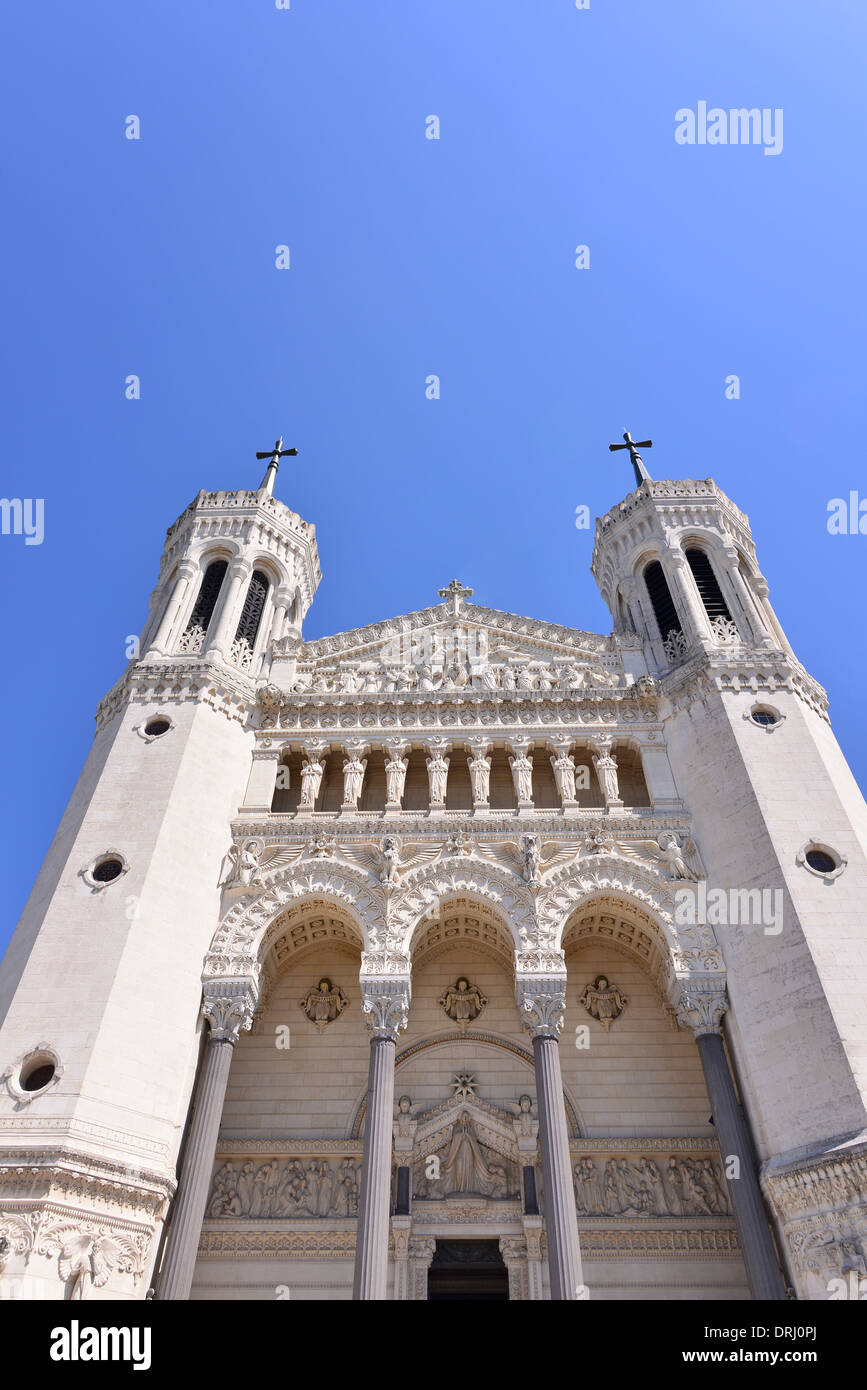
x=640 y=1077
x=113 y=978
x=798 y=1025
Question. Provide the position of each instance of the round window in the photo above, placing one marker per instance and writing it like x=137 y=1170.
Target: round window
x=765 y=717
x=107 y=871
x=37 y=1077
x=155 y=727
x=819 y=860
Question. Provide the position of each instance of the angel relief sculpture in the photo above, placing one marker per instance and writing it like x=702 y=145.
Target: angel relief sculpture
x=462 y=1002
x=603 y=1001
x=324 y=1004
x=246 y=862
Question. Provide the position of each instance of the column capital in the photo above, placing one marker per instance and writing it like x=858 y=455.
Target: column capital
x=542 y=1002
x=703 y=1002
x=385 y=1005
x=228 y=1006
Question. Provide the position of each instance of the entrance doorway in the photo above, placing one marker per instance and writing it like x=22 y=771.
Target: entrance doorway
x=468 y=1270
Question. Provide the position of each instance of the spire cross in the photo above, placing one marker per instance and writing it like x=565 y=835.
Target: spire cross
x=641 y=473
x=274 y=456
x=455 y=593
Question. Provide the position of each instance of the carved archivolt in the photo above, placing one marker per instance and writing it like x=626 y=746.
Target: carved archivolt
x=389 y=917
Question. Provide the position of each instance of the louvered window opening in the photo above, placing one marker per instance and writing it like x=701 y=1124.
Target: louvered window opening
x=660 y=597
x=254 y=606
x=208 y=595
x=706 y=583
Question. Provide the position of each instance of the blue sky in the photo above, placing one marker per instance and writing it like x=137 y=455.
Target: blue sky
x=411 y=257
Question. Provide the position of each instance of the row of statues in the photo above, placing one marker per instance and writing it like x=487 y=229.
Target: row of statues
x=283 y=1189
x=426 y=678
x=567 y=776
x=623 y=1187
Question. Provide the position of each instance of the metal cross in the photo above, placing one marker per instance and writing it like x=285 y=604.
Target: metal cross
x=641 y=473
x=274 y=456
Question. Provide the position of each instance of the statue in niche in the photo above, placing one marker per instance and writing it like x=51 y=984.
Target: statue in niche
x=606 y=771
x=395 y=776
x=438 y=772
x=324 y=1004
x=480 y=775
x=603 y=1001
x=564 y=775
x=353 y=779
x=311 y=780
x=462 y=1002
x=522 y=776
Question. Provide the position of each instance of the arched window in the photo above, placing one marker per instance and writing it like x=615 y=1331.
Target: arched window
x=212 y=582
x=254 y=606
x=706 y=583
x=660 y=596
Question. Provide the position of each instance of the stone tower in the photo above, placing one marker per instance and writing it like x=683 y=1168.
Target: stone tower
x=783 y=830
x=102 y=979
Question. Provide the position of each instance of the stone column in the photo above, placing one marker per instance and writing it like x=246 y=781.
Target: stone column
x=702 y=1011
x=282 y=603
x=224 y=621
x=229 y=1013
x=543 y=1003
x=683 y=587
x=385 y=1005
x=187 y=571
x=729 y=572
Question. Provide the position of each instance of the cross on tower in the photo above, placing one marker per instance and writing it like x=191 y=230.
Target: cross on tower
x=274 y=456
x=641 y=473
x=454 y=593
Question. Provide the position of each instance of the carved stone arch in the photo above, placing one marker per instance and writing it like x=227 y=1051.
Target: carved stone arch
x=463 y=877
x=566 y=888
x=673 y=954
x=305 y=928
x=245 y=932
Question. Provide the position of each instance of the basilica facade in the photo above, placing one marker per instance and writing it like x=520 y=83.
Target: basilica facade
x=462 y=955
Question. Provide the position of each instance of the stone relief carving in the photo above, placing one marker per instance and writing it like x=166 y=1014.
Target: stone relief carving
x=463 y=1002
x=603 y=1001
x=640 y=1187
x=468 y=1166
x=324 y=1004
x=287 y=1189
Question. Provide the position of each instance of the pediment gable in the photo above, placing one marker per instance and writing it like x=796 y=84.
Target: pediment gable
x=451 y=632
